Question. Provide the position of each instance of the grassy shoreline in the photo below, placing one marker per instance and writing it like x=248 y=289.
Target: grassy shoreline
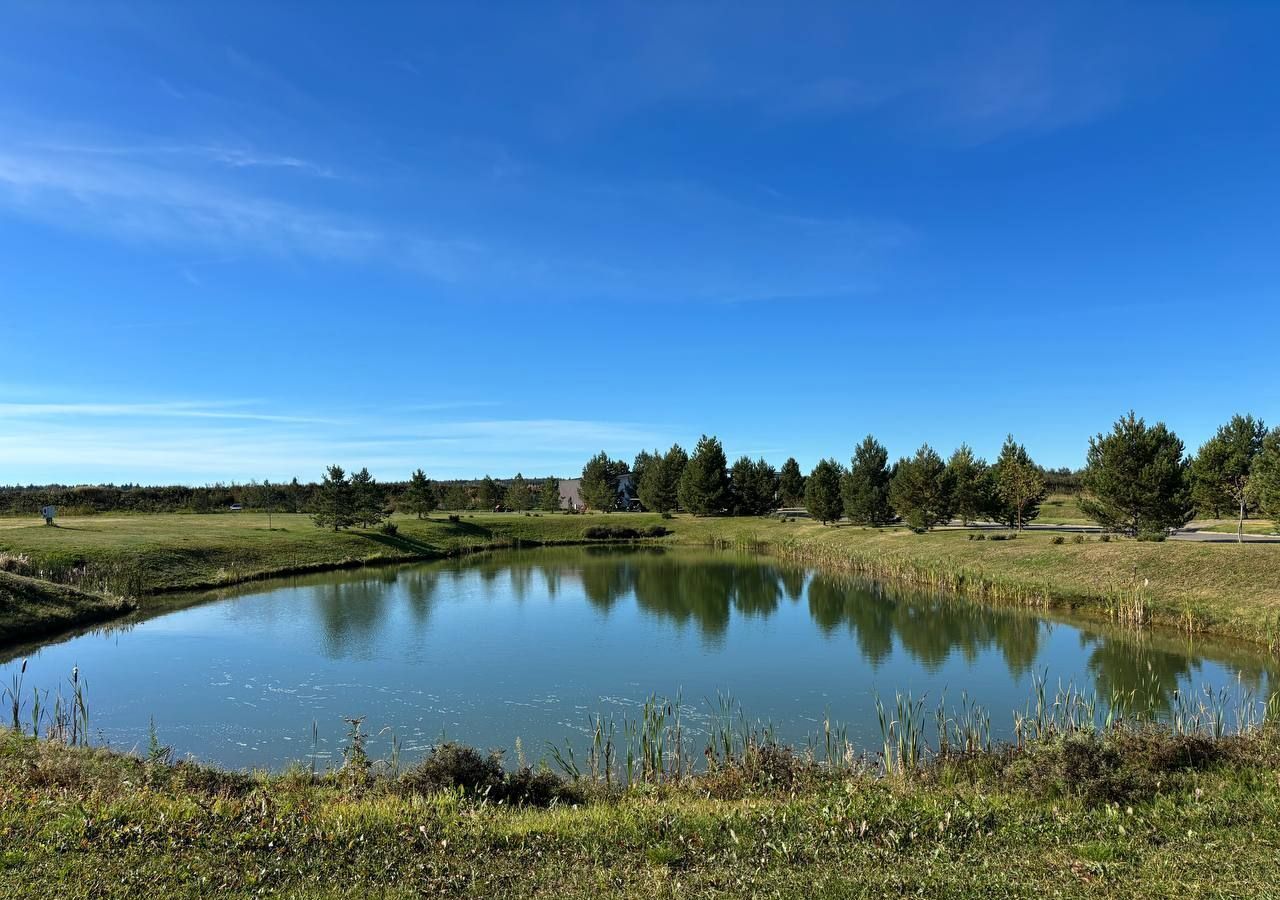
x=1129 y=812
x=1221 y=589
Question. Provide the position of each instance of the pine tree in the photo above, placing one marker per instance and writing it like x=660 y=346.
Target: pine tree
x=1136 y=479
x=334 y=504
x=549 y=496
x=1264 y=483
x=599 y=485
x=865 y=487
x=1019 y=486
x=674 y=462
x=488 y=494
x=753 y=486
x=519 y=497
x=640 y=466
x=971 y=485
x=367 y=499
x=791 y=483
x=420 y=497
x=921 y=491
x=456 y=496
x=1221 y=471
x=704 y=484
x=822 y=491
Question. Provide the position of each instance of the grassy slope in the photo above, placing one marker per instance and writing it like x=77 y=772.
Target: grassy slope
x=29 y=607
x=1222 y=588
x=90 y=823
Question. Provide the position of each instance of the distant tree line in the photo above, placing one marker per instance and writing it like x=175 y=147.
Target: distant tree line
x=1138 y=480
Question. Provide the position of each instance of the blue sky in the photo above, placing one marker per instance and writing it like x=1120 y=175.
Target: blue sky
x=241 y=242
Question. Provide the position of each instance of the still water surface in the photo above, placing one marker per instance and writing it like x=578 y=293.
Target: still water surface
x=529 y=643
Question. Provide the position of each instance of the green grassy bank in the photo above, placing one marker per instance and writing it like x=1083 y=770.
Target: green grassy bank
x=31 y=607
x=1216 y=588
x=1132 y=813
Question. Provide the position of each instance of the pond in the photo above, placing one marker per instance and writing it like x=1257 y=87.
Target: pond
x=528 y=644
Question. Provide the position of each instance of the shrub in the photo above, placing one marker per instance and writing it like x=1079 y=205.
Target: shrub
x=391 y=529
x=455 y=518
x=1105 y=538
x=622 y=532
x=1058 y=539
x=667 y=515
x=453 y=765
x=1078 y=539
x=1152 y=536
x=480 y=776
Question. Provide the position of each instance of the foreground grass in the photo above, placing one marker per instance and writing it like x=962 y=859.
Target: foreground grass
x=1137 y=814
x=1217 y=588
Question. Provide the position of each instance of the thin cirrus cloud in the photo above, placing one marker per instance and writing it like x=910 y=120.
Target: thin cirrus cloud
x=203 y=442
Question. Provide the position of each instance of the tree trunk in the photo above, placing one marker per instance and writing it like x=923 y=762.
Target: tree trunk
x=1240 y=527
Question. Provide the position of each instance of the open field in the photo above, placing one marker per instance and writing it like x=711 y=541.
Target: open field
x=1131 y=814
x=1062 y=509
x=1219 y=588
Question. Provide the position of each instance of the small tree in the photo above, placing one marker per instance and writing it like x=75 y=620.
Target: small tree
x=754 y=487
x=488 y=494
x=791 y=483
x=519 y=497
x=420 y=497
x=1019 y=485
x=1222 y=470
x=334 y=506
x=367 y=499
x=920 y=490
x=865 y=487
x=456 y=496
x=1136 y=479
x=599 y=485
x=674 y=462
x=549 y=496
x=822 y=491
x=640 y=466
x=704 y=484
x=971 y=485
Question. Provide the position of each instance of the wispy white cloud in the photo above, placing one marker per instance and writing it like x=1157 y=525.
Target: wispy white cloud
x=199 y=442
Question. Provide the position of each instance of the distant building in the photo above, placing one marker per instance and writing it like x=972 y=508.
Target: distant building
x=571 y=493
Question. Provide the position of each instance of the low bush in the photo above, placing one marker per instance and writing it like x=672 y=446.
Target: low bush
x=1105 y=538
x=391 y=529
x=1155 y=537
x=480 y=776
x=1058 y=539
x=455 y=518
x=623 y=532
x=1078 y=539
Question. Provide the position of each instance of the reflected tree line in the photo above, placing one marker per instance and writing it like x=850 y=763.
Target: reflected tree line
x=707 y=591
